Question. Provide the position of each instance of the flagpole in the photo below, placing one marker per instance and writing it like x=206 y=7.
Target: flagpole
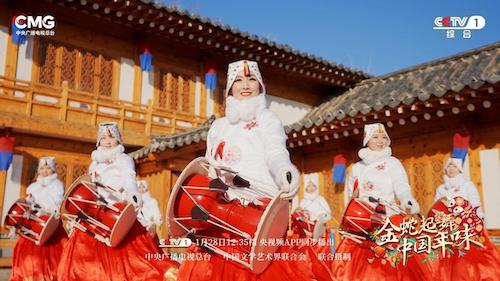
x=3 y=179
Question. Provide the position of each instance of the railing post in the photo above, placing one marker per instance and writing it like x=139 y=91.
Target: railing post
x=94 y=113
x=63 y=102
x=122 y=117
x=174 y=124
x=29 y=102
x=149 y=118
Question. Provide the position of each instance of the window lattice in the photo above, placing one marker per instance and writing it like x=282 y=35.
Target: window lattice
x=84 y=70
x=69 y=65
x=47 y=63
x=174 y=92
x=87 y=72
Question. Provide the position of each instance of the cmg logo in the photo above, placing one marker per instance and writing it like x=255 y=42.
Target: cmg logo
x=39 y=22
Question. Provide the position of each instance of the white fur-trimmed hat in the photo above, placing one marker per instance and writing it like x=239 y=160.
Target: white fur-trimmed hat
x=47 y=161
x=110 y=128
x=248 y=67
x=371 y=129
x=457 y=162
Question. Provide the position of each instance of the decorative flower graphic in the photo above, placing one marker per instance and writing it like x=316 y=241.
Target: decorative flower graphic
x=368 y=186
x=232 y=155
x=381 y=166
x=250 y=125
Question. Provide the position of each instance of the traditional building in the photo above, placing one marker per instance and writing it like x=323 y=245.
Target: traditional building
x=423 y=107
x=93 y=66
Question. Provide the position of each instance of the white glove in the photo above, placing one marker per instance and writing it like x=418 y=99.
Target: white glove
x=324 y=218
x=411 y=206
x=288 y=182
x=12 y=233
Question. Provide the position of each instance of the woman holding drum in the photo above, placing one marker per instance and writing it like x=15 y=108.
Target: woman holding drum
x=248 y=165
x=38 y=249
x=315 y=210
x=456 y=196
x=373 y=186
x=107 y=242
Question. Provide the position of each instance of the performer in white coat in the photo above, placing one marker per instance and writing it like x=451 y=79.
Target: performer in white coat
x=31 y=261
x=46 y=191
x=112 y=167
x=85 y=258
x=315 y=204
x=379 y=175
x=251 y=141
x=477 y=263
x=378 y=179
x=456 y=184
x=149 y=215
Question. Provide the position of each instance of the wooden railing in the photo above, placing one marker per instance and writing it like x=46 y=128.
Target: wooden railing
x=66 y=105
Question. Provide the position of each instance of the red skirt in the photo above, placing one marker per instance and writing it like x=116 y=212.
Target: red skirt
x=33 y=262
x=136 y=258
x=318 y=256
x=359 y=263
x=474 y=264
x=218 y=268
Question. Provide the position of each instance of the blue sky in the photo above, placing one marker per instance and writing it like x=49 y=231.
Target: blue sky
x=377 y=36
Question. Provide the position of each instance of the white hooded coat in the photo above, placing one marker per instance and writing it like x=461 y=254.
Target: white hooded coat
x=459 y=186
x=48 y=192
x=465 y=189
x=381 y=176
x=117 y=170
x=317 y=206
x=149 y=213
x=252 y=143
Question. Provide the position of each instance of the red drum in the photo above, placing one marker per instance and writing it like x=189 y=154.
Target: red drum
x=302 y=224
x=439 y=208
x=305 y=227
x=36 y=225
x=196 y=210
x=86 y=210
x=360 y=218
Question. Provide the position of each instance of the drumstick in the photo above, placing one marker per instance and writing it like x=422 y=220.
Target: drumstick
x=255 y=184
x=386 y=203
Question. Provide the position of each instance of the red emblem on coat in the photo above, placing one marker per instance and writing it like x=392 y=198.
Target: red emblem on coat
x=220 y=151
x=380 y=167
x=250 y=125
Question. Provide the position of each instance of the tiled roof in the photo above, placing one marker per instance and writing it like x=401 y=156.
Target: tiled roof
x=176 y=140
x=471 y=69
x=159 y=19
x=283 y=47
